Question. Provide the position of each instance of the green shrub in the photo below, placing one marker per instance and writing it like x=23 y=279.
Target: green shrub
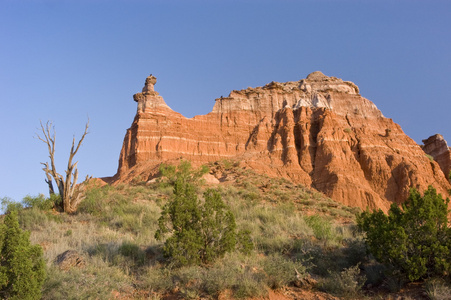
x=249 y=284
x=35 y=215
x=22 y=267
x=242 y=276
x=188 y=279
x=132 y=251
x=32 y=219
x=281 y=271
x=220 y=277
x=322 y=228
x=40 y=201
x=183 y=171
x=92 y=204
x=375 y=273
x=9 y=205
x=345 y=283
x=414 y=240
x=158 y=279
x=201 y=230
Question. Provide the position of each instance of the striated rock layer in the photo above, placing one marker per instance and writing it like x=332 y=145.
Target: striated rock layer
x=317 y=131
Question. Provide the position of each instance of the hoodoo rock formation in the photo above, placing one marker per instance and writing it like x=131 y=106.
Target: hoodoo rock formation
x=437 y=147
x=318 y=131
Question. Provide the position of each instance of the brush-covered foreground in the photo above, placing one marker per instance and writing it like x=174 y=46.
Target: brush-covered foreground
x=305 y=246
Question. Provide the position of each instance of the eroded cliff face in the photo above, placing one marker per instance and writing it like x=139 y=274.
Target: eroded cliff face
x=317 y=131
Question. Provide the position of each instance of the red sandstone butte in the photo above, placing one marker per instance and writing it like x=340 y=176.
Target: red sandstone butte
x=318 y=131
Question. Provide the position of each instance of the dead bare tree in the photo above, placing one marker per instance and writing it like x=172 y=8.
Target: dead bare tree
x=71 y=194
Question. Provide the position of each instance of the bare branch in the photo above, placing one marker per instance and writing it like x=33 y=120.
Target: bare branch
x=67 y=185
x=50 y=141
x=72 y=151
x=83 y=137
x=75 y=178
x=49 y=178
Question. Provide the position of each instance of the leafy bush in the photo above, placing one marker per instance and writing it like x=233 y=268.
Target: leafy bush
x=32 y=219
x=414 y=240
x=92 y=203
x=158 y=279
x=249 y=284
x=242 y=276
x=322 y=228
x=22 y=267
x=201 y=231
x=281 y=271
x=132 y=251
x=40 y=202
x=183 y=171
x=32 y=211
x=345 y=283
x=375 y=273
x=9 y=205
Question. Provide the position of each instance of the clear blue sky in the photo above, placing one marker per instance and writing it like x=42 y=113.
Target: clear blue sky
x=66 y=60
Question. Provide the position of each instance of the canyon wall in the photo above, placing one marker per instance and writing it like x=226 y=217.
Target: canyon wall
x=317 y=131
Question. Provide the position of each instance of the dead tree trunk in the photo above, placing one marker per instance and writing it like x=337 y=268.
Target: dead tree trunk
x=71 y=194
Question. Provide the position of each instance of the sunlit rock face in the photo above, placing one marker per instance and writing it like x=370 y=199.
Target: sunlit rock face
x=318 y=131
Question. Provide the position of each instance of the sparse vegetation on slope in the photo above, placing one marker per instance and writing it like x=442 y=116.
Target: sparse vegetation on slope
x=302 y=241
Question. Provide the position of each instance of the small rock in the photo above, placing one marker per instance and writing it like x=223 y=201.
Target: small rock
x=152 y=181
x=211 y=179
x=70 y=259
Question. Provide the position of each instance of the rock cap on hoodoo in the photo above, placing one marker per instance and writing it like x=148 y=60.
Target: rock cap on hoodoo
x=433 y=138
x=149 y=98
x=149 y=84
x=317 y=76
x=438 y=148
x=317 y=81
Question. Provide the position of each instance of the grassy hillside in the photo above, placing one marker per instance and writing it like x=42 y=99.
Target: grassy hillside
x=303 y=241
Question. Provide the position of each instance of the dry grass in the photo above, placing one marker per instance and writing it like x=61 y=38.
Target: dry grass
x=292 y=228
